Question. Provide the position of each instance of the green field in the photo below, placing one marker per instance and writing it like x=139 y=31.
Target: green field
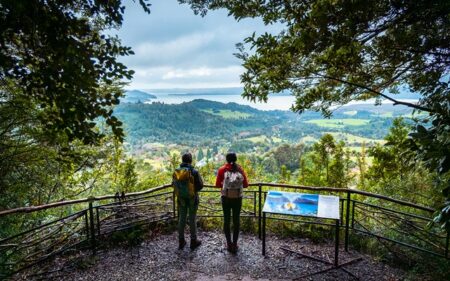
x=350 y=139
x=338 y=123
x=228 y=114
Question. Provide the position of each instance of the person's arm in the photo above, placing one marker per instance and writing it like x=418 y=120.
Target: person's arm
x=245 y=182
x=219 y=178
x=198 y=181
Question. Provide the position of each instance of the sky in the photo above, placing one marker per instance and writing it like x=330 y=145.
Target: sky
x=174 y=48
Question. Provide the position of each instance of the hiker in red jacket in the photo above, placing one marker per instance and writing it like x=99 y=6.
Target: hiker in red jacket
x=231 y=179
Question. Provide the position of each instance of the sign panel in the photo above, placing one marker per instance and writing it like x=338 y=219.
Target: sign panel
x=302 y=204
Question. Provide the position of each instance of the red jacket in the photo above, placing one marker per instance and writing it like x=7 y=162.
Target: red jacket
x=228 y=167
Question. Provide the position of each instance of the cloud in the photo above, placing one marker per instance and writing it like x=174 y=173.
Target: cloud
x=202 y=77
x=177 y=51
x=189 y=73
x=175 y=47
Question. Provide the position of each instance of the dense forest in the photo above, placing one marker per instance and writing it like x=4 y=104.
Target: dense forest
x=201 y=121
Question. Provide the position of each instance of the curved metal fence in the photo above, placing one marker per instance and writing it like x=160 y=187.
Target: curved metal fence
x=79 y=224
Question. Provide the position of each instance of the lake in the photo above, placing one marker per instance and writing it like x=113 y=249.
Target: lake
x=280 y=102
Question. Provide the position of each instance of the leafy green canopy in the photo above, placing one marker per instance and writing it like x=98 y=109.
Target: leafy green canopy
x=332 y=52
x=56 y=53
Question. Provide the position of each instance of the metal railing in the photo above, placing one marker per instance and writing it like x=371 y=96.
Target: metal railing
x=390 y=221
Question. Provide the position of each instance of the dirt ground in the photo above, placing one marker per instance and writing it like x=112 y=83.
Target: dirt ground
x=159 y=259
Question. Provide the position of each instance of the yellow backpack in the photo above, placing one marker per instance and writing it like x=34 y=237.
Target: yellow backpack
x=183 y=183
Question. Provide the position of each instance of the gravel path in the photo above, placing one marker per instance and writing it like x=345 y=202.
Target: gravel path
x=159 y=259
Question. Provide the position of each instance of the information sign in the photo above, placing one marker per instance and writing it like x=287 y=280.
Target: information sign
x=302 y=204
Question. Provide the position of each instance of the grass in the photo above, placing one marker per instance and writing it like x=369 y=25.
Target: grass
x=338 y=123
x=228 y=114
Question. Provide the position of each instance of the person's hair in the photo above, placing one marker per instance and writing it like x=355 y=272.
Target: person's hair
x=186 y=158
x=231 y=159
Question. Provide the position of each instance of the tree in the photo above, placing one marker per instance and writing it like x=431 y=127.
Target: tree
x=396 y=172
x=200 y=154
x=129 y=177
x=362 y=165
x=324 y=148
x=285 y=174
x=58 y=54
x=208 y=154
x=433 y=147
x=37 y=168
x=332 y=52
x=174 y=161
x=287 y=155
x=338 y=176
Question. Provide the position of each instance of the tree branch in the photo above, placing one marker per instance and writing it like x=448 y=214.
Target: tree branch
x=396 y=102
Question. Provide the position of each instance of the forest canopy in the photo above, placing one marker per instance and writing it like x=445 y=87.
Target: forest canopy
x=57 y=55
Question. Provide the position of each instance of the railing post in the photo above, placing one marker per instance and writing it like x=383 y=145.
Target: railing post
x=254 y=203
x=264 y=235
x=336 y=245
x=347 y=219
x=92 y=228
x=98 y=221
x=86 y=219
x=259 y=210
x=353 y=215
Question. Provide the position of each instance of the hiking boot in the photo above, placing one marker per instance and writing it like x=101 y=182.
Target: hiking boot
x=181 y=244
x=195 y=243
x=231 y=248
x=235 y=247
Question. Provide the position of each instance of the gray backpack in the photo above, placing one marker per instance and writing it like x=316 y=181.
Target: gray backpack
x=233 y=184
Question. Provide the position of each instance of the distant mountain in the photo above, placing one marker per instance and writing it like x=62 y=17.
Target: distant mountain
x=135 y=96
x=404 y=94
x=191 y=122
x=207 y=104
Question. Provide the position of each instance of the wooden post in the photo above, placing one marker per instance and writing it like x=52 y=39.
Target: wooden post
x=353 y=215
x=92 y=228
x=254 y=203
x=86 y=219
x=347 y=219
x=264 y=234
x=336 y=245
x=259 y=210
x=98 y=221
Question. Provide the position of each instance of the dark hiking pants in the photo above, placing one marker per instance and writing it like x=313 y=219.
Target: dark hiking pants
x=231 y=205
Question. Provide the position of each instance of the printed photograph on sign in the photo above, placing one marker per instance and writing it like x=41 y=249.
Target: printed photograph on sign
x=291 y=203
